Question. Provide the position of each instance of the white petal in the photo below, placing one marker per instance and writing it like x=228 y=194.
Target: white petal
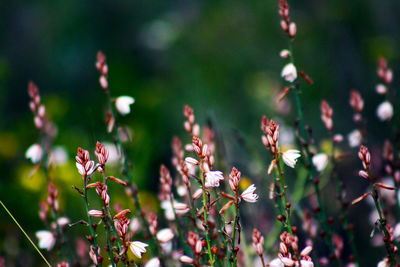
x=289 y=72
x=320 y=161
x=34 y=153
x=154 y=262
x=123 y=103
x=385 y=111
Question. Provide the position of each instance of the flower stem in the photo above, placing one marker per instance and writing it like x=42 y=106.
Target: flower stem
x=283 y=188
x=203 y=181
x=26 y=235
x=92 y=232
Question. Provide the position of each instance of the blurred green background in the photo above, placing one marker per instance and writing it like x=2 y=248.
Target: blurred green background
x=220 y=57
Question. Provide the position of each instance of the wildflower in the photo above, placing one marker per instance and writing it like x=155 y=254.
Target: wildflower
x=289 y=73
x=258 y=241
x=87 y=169
x=284 y=53
x=96 y=213
x=320 y=161
x=154 y=262
x=83 y=163
x=46 y=239
x=248 y=194
x=290 y=157
x=59 y=155
x=354 y=138
x=137 y=248
x=326 y=115
x=165 y=235
x=123 y=103
x=34 y=153
x=213 y=178
x=186 y=259
x=134 y=226
x=381 y=89
x=385 y=111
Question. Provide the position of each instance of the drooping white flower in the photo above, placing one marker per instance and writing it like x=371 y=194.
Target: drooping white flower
x=385 y=111
x=290 y=157
x=46 y=239
x=154 y=262
x=354 y=138
x=123 y=103
x=289 y=72
x=249 y=195
x=320 y=161
x=213 y=178
x=137 y=248
x=34 y=153
x=165 y=235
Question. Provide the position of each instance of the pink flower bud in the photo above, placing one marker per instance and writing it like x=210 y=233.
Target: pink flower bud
x=292 y=29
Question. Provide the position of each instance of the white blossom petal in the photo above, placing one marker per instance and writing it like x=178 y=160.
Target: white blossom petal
x=123 y=103
x=290 y=157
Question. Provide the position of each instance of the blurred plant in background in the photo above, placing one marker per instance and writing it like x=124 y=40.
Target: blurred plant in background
x=224 y=59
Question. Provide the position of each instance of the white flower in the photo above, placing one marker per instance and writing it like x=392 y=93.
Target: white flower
x=113 y=155
x=248 y=194
x=154 y=262
x=123 y=103
x=385 y=111
x=290 y=157
x=137 y=248
x=289 y=72
x=60 y=155
x=284 y=53
x=87 y=169
x=384 y=263
x=46 y=239
x=34 y=153
x=168 y=211
x=165 y=235
x=62 y=221
x=396 y=231
x=181 y=190
x=320 y=161
x=276 y=263
x=213 y=178
x=381 y=89
x=134 y=226
x=354 y=138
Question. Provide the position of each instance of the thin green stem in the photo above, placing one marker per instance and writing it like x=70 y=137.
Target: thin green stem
x=285 y=203
x=178 y=226
x=382 y=220
x=233 y=258
x=343 y=208
x=312 y=172
x=92 y=232
x=26 y=235
x=203 y=181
